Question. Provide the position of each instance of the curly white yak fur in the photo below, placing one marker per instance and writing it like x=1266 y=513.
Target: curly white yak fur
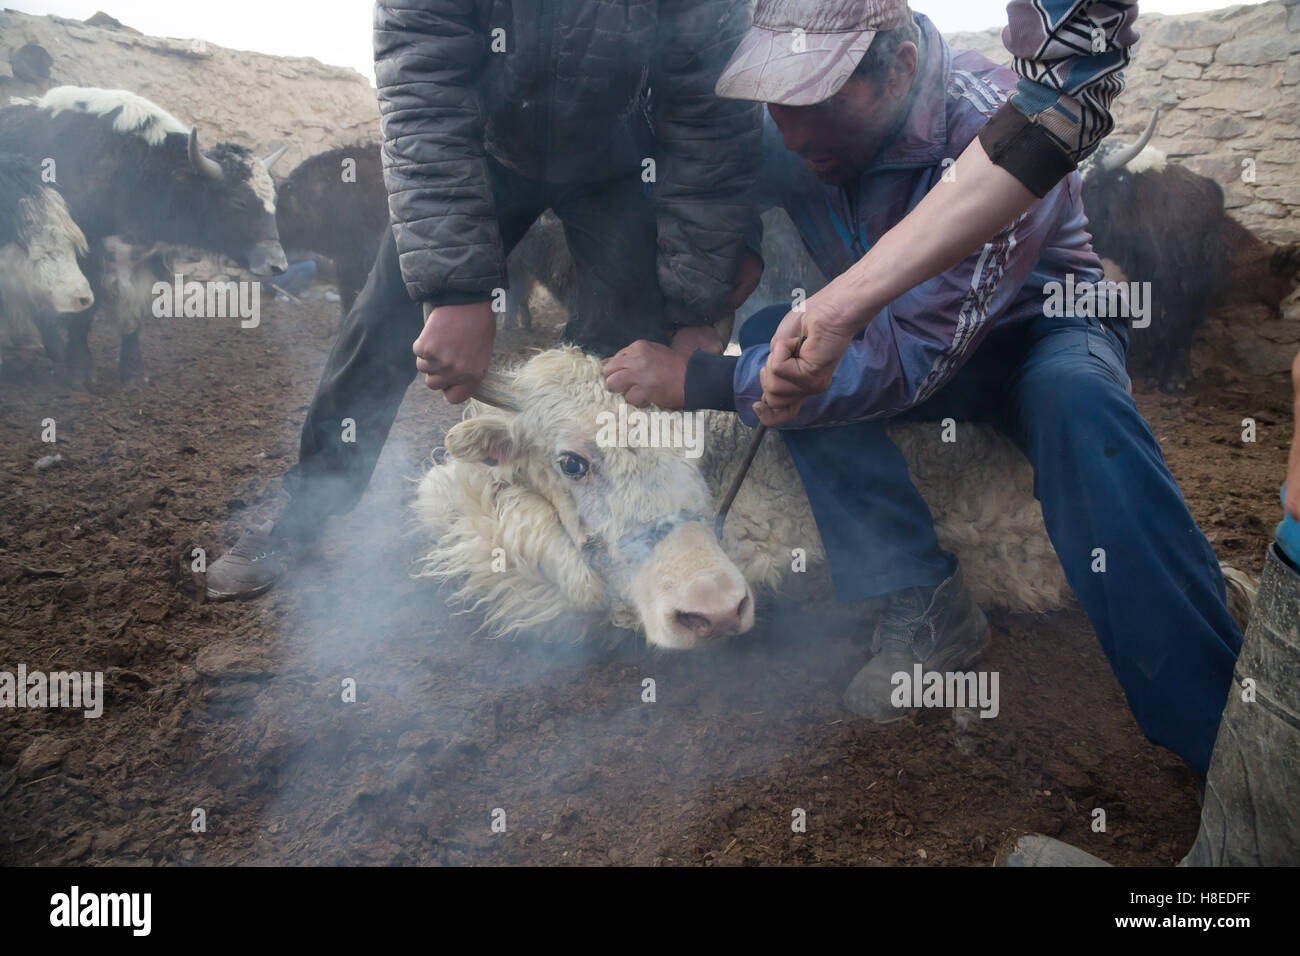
x=979 y=488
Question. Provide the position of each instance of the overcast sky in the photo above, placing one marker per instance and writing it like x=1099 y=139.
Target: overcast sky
x=338 y=31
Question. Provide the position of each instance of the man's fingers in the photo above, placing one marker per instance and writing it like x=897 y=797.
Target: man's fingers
x=777 y=385
x=432 y=366
x=780 y=350
x=439 y=382
x=637 y=396
x=619 y=380
x=774 y=416
x=459 y=393
x=424 y=353
x=457 y=387
x=614 y=364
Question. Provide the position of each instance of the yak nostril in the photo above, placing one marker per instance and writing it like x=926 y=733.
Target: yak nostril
x=85 y=301
x=696 y=623
x=740 y=608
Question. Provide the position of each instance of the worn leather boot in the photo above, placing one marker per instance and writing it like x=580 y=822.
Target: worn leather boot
x=941 y=628
x=251 y=567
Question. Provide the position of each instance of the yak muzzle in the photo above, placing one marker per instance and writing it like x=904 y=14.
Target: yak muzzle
x=689 y=593
x=267 y=259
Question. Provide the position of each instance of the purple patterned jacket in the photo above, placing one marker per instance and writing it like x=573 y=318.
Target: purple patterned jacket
x=921 y=339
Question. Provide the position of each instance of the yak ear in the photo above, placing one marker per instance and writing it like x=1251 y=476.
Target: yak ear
x=1286 y=259
x=483 y=440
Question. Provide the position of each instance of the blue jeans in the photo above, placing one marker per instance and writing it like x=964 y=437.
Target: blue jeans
x=1058 y=389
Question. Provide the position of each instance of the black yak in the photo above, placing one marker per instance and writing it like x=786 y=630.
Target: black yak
x=128 y=168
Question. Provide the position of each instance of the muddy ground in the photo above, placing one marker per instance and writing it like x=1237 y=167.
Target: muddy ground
x=236 y=709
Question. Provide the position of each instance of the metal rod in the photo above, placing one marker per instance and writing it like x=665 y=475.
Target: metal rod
x=755 y=440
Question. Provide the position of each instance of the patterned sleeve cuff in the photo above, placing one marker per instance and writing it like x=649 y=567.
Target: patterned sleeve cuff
x=1025 y=149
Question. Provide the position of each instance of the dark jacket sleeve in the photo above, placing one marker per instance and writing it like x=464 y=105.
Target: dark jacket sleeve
x=708 y=154
x=427 y=55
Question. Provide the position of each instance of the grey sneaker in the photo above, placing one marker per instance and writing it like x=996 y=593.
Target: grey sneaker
x=941 y=628
x=1035 y=850
x=251 y=567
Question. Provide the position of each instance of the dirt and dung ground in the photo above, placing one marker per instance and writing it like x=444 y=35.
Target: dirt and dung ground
x=237 y=709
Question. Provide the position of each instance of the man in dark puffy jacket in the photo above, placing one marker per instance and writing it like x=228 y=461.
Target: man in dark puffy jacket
x=493 y=112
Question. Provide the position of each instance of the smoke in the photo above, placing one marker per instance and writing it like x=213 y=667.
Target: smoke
x=788 y=270
x=393 y=729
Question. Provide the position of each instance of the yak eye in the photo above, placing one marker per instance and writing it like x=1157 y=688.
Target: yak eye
x=572 y=466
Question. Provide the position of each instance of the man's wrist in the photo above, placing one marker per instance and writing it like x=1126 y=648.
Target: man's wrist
x=710 y=381
x=850 y=301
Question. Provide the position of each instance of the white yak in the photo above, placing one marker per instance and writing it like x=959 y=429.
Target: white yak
x=39 y=246
x=545 y=524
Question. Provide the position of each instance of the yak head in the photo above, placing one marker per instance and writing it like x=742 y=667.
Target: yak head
x=229 y=201
x=549 y=505
x=39 y=272
x=171 y=189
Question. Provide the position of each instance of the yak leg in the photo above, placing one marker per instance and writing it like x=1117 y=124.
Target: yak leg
x=51 y=338
x=77 y=358
x=523 y=312
x=1178 y=356
x=518 y=315
x=1167 y=361
x=510 y=317
x=1145 y=356
x=130 y=363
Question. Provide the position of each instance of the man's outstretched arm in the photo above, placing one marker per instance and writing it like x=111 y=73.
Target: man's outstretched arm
x=953 y=220
x=1070 y=58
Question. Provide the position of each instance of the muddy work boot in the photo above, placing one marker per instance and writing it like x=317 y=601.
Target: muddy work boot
x=941 y=628
x=251 y=567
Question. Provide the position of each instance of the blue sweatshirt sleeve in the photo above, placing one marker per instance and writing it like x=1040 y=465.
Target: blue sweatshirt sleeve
x=912 y=348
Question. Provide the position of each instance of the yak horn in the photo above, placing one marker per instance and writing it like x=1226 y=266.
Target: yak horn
x=1126 y=154
x=202 y=164
x=274 y=158
x=497 y=390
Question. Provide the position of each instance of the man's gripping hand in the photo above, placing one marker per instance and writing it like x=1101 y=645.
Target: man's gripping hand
x=647 y=373
x=787 y=378
x=455 y=347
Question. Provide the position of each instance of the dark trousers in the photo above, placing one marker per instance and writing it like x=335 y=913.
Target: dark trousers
x=1058 y=389
x=611 y=234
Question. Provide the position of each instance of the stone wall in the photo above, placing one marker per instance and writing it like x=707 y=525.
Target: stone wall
x=251 y=98
x=1228 y=82
x=1228 y=85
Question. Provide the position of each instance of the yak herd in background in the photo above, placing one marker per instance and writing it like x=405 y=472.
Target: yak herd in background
x=98 y=187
